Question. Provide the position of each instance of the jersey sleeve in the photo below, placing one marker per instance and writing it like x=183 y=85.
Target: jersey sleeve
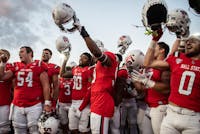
x=86 y=100
x=44 y=67
x=122 y=73
x=56 y=69
x=112 y=56
x=172 y=59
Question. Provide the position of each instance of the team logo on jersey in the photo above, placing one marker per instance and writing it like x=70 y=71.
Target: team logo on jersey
x=16 y=68
x=178 y=61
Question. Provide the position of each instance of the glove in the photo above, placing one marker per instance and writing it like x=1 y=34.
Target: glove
x=77 y=24
x=80 y=28
x=78 y=113
x=156 y=35
x=138 y=77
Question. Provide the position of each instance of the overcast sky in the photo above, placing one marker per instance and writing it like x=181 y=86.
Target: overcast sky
x=29 y=22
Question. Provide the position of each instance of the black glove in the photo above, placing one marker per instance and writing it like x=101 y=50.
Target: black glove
x=84 y=32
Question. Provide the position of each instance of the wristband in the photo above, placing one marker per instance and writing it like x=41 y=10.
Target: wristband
x=47 y=102
x=84 y=32
x=100 y=56
x=152 y=44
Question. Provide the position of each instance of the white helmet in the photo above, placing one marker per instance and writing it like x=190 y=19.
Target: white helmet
x=123 y=43
x=134 y=59
x=178 y=22
x=154 y=13
x=48 y=124
x=63 y=44
x=63 y=13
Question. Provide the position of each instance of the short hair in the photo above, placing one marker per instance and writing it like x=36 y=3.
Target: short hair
x=88 y=55
x=6 y=51
x=28 y=49
x=164 y=46
x=46 y=49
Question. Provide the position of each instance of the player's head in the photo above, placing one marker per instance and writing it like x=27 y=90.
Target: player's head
x=161 y=49
x=46 y=55
x=134 y=60
x=6 y=53
x=192 y=47
x=25 y=54
x=85 y=59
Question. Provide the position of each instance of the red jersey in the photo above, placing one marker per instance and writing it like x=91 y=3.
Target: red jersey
x=5 y=90
x=65 y=89
x=185 y=81
x=153 y=97
x=28 y=89
x=52 y=70
x=102 y=86
x=82 y=77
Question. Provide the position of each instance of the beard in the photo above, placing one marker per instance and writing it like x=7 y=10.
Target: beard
x=192 y=54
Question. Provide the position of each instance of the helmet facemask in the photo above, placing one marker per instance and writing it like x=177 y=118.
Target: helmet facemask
x=63 y=14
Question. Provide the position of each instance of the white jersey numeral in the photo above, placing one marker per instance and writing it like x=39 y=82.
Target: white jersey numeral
x=77 y=82
x=67 y=89
x=94 y=76
x=191 y=76
x=28 y=79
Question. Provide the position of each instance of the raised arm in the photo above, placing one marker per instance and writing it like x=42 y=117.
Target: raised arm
x=63 y=72
x=4 y=75
x=149 y=56
x=104 y=59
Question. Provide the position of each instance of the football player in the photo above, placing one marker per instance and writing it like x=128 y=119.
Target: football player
x=31 y=89
x=53 y=71
x=5 y=96
x=183 y=86
x=82 y=76
x=157 y=101
x=102 y=103
x=184 y=95
x=64 y=100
